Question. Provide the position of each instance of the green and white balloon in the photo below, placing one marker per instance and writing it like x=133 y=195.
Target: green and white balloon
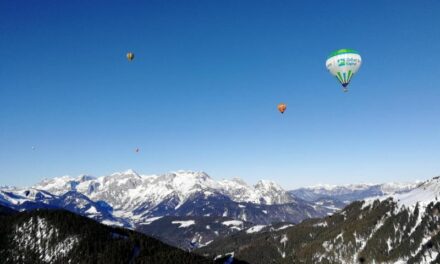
x=343 y=64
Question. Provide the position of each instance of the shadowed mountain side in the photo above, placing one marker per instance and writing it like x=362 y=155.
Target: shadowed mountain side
x=57 y=236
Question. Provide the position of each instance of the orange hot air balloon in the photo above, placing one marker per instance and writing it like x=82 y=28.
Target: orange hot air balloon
x=282 y=107
x=130 y=56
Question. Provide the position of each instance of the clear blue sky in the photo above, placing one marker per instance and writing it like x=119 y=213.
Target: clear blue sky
x=202 y=91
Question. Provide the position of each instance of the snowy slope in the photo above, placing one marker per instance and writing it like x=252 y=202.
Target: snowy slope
x=424 y=194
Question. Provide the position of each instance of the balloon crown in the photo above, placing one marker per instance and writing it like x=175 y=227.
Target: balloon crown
x=342 y=51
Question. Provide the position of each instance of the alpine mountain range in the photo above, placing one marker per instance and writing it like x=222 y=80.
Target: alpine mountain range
x=189 y=209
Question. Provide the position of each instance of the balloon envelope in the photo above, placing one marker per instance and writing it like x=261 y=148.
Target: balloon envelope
x=343 y=64
x=130 y=56
x=282 y=107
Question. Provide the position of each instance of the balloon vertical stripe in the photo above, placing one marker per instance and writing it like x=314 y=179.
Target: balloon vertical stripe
x=340 y=77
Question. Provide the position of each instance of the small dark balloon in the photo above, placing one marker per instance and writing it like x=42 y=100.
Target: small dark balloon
x=130 y=56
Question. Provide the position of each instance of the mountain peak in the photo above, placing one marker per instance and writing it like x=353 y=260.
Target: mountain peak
x=84 y=177
x=268 y=185
x=239 y=181
x=271 y=193
x=201 y=174
x=189 y=176
x=129 y=172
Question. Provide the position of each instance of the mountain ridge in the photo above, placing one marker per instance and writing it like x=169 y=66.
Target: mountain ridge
x=134 y=197
x=58 y=236
x=129 y=199
x=399 y=228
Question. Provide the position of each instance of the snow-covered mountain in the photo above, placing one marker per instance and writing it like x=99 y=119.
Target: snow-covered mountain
x=190 y=209
x=148 y=202
x=425 y=193
x=351 y=192
x=398 y=228
x=133 y=198
x=125 y=190
x=30 y=198
x=264 y=192
x=138 y=197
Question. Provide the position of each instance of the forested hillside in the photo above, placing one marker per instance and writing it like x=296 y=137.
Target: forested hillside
x=56 y=236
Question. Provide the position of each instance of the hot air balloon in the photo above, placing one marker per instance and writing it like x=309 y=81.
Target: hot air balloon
x=343 y=64
x=137 y=150
x=282 y=107
x=130 y=56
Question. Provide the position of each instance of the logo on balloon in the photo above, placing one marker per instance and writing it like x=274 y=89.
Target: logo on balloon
x=341 y=62
x=352 y=61
x=348 y=62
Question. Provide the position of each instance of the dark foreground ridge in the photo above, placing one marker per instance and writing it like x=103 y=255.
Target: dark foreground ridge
x=375 y=232
x=57 y=236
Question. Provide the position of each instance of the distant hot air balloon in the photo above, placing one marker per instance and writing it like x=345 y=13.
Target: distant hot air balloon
x=137 y=150
x=343 y=64
x=130 y=56
x=33 y=147
x=282 y=107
